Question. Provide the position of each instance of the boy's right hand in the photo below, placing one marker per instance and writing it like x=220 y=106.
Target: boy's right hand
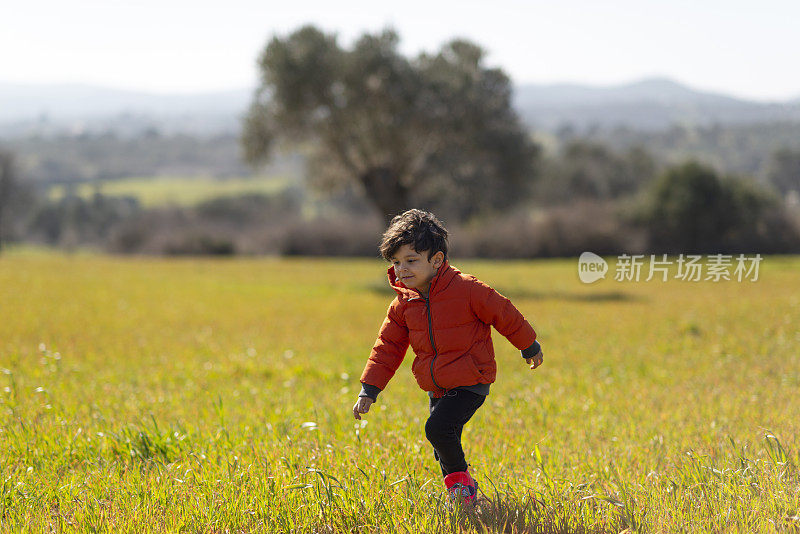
x=536 y=361
x=361 y=406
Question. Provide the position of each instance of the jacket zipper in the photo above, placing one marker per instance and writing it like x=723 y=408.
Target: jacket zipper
x=430 y=328
x=433 y=343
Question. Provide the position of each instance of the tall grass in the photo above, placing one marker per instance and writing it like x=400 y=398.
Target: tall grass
x=215 y=396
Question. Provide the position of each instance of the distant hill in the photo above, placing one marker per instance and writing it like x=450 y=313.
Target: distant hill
x=20 y=102
x=650 y=104
x=77 y=108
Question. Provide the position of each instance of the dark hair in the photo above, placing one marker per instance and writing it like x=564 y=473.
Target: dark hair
x=420 y=229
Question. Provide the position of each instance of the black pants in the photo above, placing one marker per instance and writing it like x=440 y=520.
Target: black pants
x=443 y=428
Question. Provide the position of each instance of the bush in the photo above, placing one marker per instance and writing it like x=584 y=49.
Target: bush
x=243 y=210
x=247 y=224
x=342 y=236
x=200 y=244
x=557 y=232
x=690 y=209
x=73 y=220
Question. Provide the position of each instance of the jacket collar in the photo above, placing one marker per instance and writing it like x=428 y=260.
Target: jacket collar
x=444 y=275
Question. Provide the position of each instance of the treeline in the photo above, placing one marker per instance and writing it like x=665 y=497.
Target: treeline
x=748 y=149
x=586 y=197
x=752 y=150
x=65 y=159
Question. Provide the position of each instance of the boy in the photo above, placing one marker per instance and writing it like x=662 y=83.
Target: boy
x=446 y=316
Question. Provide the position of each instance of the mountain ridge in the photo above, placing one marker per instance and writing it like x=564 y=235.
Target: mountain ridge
x=648 y=104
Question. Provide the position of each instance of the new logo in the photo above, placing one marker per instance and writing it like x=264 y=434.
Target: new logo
x=591 y=267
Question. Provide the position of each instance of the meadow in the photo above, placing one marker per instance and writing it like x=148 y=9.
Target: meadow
x=157 y=191
x=215 y=395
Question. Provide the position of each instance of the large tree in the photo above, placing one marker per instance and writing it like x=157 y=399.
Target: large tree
x=436 y=130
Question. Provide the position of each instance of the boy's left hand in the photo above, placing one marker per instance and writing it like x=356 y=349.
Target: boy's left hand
x=536 y=361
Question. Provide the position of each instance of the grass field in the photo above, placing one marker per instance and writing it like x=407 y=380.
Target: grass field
x=148 y=395
x=178 y=190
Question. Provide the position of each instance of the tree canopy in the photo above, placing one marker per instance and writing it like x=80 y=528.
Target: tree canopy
x=437 y=131
x=694 y=210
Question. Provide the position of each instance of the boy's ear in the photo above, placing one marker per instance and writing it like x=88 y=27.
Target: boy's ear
x=438 y=259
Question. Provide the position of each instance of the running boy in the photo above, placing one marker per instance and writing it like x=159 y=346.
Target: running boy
x=446 y=316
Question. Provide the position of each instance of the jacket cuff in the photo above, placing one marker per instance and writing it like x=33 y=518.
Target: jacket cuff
x=531 y=351
x=370 y=391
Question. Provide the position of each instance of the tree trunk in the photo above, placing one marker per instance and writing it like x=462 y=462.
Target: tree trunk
x=384 y=190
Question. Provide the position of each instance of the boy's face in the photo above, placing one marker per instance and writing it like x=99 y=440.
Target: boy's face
x=414 y=269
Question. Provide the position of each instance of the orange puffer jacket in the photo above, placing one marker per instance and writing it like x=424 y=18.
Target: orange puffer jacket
x=449 y=332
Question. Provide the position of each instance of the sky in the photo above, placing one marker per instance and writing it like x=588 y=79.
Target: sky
x=749 y=49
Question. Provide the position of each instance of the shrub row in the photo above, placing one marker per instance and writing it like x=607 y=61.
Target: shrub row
x=689 y=209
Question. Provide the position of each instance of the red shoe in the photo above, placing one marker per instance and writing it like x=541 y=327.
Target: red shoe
x=461 y=487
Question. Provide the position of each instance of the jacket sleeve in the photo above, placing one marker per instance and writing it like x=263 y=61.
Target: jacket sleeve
x=369 y=391
x=493 y=308
x=389 y=349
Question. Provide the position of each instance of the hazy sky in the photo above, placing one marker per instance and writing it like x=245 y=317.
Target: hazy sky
x=745 y=48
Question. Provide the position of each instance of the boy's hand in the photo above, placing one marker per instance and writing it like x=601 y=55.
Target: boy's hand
x=361 y=406
x=536 y=361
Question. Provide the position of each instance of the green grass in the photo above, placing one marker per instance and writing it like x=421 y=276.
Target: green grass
x=148 y=395
x=179 y=190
